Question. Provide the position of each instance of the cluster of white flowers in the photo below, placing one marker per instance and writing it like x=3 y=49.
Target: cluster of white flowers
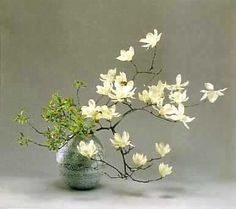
x=154 y=95
x=99 y=112
x=167 y=99
x=174 y=108
x=139 y=159
x=116 y=87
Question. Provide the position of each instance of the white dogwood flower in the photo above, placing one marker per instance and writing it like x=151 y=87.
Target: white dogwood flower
x=210 y=93
x=121 y=141
x=162 y=149
x=87 y=149
x=105 y=89
x=99 y=112
x=126 y=55
x=166 y=110
x=178 y=97
x=151 y=39
x=144 y=96
x=179 y=85
x=92 y=111
x=165 y=169
x=109 y=113
x=139 y=160
x=180 y=116
x=121 y=79
x=122 y=92
x=109 y=77
x=154 y=94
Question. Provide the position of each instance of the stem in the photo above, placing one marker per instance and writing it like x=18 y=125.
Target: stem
x=137 y=72
x=196 y=104
x=39 y=132
x=124 y=161
x=35 y=129
x=153 y=59
x=135 y=66
x=112 y=177
x=132 y=109
x=102 y=127
x=108 y=164
x=38 y=144
x=77 y=96
x=154 y=76
x=129 y=150
x=153 y=159
x=68 y=138
x=145 y=181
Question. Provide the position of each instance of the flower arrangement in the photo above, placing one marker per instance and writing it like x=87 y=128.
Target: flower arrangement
x=162 y=100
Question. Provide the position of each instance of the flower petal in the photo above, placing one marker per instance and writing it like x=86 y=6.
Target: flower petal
x=209 y=86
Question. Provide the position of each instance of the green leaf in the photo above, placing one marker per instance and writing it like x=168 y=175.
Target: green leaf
x=78 y=84
x=23 y=140
x=21 y=118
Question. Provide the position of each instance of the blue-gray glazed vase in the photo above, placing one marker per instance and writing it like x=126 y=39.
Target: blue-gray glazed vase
x=77 y=171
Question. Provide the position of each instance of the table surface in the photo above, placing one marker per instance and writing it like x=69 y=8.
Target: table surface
x=35 y=193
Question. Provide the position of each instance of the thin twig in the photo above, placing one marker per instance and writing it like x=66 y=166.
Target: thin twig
x=135 y=66
x=132 y=109
x=103 y=128
x=196 y=104
x=124 y=161
x=145 y=181
x=154 y=76
x=38 y=144
x=35 y=129
x=153 y=58
x=126 y=152
x=108 y=164
x=112 y=177
x=153 y=159
x=77 y=96
x=68 y=138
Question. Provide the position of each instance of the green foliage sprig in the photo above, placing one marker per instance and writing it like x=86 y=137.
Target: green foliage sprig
x=64 y=121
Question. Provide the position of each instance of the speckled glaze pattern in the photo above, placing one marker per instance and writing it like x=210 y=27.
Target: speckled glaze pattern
x=77 y=171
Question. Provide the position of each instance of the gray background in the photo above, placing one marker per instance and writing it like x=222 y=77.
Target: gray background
x=46 y=45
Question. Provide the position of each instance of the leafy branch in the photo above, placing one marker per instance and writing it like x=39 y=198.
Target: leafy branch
x=64 y=121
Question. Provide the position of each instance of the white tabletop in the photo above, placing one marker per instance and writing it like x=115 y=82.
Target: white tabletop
x=34 y=193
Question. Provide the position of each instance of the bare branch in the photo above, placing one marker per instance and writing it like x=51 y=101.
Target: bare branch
x=38 y=144
x=35 y=129
x=154 y=159
x=112 y=177
x=154 y=76
x=153 y=58
x=146 y=181
x=108 y=164
x=196 y=104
